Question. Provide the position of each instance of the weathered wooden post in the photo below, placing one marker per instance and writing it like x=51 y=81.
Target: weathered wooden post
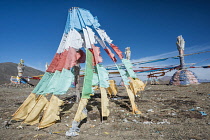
x=77 y=81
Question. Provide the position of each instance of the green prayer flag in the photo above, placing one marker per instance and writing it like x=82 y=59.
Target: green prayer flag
x=52 y=84
x=87 y=85
x=103 y=76
x=124 y=75
x=65 y=80
x=43 y=83
x=129 y=68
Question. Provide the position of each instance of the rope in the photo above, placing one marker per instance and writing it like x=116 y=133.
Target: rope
x=198 y=62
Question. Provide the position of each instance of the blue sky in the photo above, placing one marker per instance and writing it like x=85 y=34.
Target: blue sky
x=32 y=29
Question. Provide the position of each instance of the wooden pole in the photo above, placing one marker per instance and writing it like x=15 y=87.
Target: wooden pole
x=77 y=81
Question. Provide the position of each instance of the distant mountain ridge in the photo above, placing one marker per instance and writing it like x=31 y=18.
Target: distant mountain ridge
x=9 y=69
x=166 y=80
x=203 y=80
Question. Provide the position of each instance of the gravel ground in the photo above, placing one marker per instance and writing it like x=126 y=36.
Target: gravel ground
x=169 y=112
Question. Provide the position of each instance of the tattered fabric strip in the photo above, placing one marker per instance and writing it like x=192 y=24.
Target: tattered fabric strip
x=74 y=40
x=101 y=42
x=52 y=113
x=80 y=114
x=43 y=82
x=91 y=35
x=129 y=68
x=34 y=116
x=112 y=89
x=132 y=99
x=103 y=76
x=54 y=63
x=117 y=51
x=104 y=103
x=96 y=54
x=103 y=35
x=45 y=85
x=95 y=80
x=124 y=75
x=61 y=61
x=87 y=40
x=64 y=82
x=67 y=27
x=87 y=86
x=111 y=55
x=66 y=59
x=71 y=59
x=62 y=43
x=52 y=84
x=88 y=18
x=26 y=107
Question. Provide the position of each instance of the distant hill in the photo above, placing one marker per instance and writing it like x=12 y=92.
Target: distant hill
x=9 y=69
x=204 y=81
x=165 y=80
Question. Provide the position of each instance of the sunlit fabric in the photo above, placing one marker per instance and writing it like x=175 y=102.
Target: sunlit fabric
x=132 y=99
x=64 y=82
x=103 y=76
x=88 y=18
x=96 y=54
x=80 y=114
x=71 y=59
x=43 y=82
x=111 y=55
x=87 y=85
x=124 y=76
x=52 y=112
x=117 y=51
x=87 y=40
x=91 y=35
x=34 y=116
x=104 y=36
x=129 y=68
x=26 y=107
x=54 y=63
x=67 y=27
x=44 y=85
x=61 y=61
x=104 y=103
x=62 y=43
x=52 y=84
x=95 y=79
x=74 y=40
x=112 y=89
x=101 y=42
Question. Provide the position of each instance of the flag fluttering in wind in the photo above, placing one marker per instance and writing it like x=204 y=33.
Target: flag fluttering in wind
x=78 y=45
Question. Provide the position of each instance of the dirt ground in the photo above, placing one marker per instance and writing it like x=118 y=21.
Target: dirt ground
x=169 y=112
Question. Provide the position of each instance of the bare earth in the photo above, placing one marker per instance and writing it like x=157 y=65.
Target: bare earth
x=169 y=112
